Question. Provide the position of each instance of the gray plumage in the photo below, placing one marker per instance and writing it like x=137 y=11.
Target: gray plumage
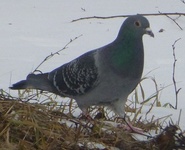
x=104 y=76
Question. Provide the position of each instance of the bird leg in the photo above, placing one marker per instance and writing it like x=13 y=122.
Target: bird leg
x=134 y=129
x=130 y=127
x=85 y=115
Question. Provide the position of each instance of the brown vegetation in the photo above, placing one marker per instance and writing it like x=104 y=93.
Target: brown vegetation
x=31 y=126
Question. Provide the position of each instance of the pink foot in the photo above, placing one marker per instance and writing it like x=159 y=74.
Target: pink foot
x=86 y=116
x=131 y=128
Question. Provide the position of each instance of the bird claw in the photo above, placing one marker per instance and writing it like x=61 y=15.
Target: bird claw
x=86 y=116
x=131 y=128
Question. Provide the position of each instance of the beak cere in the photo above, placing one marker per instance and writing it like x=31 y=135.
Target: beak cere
x=149 y=32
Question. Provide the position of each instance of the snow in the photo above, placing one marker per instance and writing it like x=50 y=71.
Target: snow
x=31 y=30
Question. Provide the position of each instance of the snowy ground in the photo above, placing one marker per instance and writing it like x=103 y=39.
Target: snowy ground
x=31 y=30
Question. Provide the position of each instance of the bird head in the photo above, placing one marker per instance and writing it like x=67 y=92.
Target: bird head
x=135 y=26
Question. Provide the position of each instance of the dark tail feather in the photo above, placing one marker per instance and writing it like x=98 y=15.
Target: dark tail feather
x=39 y=81
x=19 y=85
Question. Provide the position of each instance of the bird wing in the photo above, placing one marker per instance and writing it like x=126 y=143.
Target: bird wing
x=76 y=77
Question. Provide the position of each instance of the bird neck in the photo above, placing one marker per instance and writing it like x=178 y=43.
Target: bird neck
x=128 y=57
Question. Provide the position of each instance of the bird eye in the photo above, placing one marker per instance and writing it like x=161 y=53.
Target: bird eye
x=137 y=23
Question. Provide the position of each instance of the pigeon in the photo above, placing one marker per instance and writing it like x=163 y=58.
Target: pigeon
x=102 y=77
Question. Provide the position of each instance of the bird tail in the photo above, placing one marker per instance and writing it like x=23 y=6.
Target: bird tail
x=33 y=81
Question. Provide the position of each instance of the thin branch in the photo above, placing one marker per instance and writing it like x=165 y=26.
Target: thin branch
x=123 y=16
x=57 y=52
x=178 y=122
x=183 y=1
x=172 y=20
x=173 y=77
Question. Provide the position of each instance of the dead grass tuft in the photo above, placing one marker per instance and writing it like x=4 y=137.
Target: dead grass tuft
x=34 y=126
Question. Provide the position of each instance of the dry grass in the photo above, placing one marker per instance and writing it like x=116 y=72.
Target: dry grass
x=33 y=126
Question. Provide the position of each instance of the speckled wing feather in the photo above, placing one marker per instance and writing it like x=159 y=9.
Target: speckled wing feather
x=76 y=77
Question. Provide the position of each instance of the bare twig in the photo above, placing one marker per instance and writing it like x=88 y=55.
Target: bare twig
x=172 y=20
x=123 y=16
x=173 y=77
x=183 y=1
x=178 y=122
x=57 y=52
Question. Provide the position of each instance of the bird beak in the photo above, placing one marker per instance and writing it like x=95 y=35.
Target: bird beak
x=149 y=32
